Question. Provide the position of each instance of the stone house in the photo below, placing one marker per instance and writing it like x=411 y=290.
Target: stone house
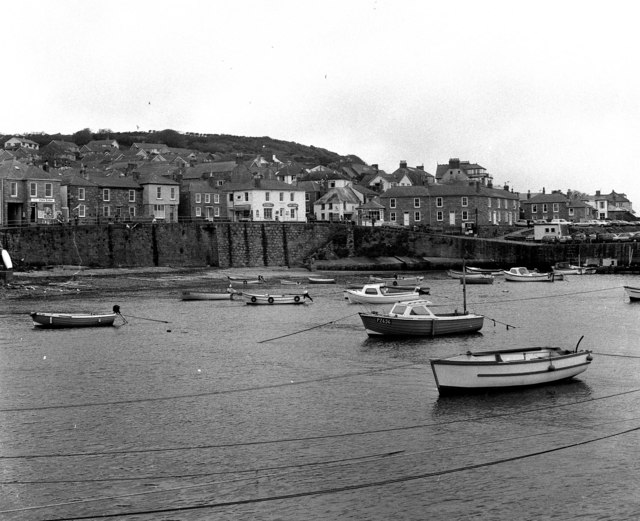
x=201 y=199
x=160 y=196
x=30 y=195
x=611 y=206
x=544 y=207
x=338 y=204
x=451 y=206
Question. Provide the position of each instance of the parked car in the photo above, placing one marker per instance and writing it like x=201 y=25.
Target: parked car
x=565 y=239
x=549 y=239
x=622 y=237
x=579 y=237
x=604 y=237
x=521 y=223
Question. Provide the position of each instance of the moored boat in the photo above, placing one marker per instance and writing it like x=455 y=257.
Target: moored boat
x=524 y=275
x=59 y=320
x=378 y=294
x=398 y=281
x=257 y=299
x=321 y=280
x=471 y=278
x=486 y=271
x=204 y=295
x=512 y=368
x=632 y=292
x=414 y=318
x=244 y=281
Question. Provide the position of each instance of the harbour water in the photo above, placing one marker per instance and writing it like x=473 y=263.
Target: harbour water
x=229 y=411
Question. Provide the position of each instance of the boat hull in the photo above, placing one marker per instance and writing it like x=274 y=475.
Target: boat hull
x=377 y=325
x=539 y=277
x=356 y=297
x=253 y=299
x=200 y=295
x=632 y=292
x=60 y=320
x=523 y=368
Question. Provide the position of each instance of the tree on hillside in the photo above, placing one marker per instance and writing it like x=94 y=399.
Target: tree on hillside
x=82 y=137
x=169 y=137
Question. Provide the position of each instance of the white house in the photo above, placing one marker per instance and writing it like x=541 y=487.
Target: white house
x=265 y=200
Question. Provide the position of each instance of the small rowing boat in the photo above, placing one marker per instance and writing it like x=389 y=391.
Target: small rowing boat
x=512 y=368
x=59 y=320
x=269 y=299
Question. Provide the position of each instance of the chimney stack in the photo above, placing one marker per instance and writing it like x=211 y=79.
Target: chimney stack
x=403 y=164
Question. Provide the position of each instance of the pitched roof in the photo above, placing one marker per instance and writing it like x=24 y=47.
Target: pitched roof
x=339 y=195
x=17 y=170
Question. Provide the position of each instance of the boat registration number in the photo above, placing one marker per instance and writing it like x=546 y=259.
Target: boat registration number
x=383 y=321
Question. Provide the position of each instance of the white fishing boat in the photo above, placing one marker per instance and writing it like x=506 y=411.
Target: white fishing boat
x=378 y=294
x=269 y=299
x=632 y=292
x=414 y=318
x=524 y=275
x=512 y=368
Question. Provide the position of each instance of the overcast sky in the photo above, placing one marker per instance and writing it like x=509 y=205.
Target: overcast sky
x=541 y=94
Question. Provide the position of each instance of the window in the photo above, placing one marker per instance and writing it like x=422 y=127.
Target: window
x=291 y=196
x=132 y=196
x=48 y=190
x=545 y=208
x=497 y=203
x=198 y=198
x=464 y=201
x=307 y=197
x=571 y=212
x=257 y=214
x=439 y=216
x=416 y=202
x=216 y=211
x=392 y=216
x=293 y=213
x=216 y=198
x=417 y=216
x=82 y=210
x=281 y=196
x=489 y=203
x=268 y=213
x=534 y=208
x=207 y=198
x=246 y=196
x=465 y=215
x=14 y=189
x=172 y=193
x=33 y=189
x=219 y=183
x=439 y=203
x=81 y=194
x=556 y=207
x=392 y=203
x=198 y=211
x=158 y=211
x=106 y=194
x=158 y=192
x=267 y=196
x=106 y=211
x=132 y=211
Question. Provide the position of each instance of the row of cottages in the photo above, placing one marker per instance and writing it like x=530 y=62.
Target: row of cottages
x=555 y=205
x=576 y=208
x=453 y=205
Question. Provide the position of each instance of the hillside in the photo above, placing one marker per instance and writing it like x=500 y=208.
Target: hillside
x=226 y=146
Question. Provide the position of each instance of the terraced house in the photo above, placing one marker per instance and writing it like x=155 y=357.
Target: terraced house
x=450 y=206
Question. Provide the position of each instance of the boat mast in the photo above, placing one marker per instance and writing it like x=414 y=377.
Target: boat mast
x=464 y=286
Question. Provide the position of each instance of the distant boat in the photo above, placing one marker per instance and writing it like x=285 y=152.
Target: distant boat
x=59 y=320
x=471 y=278
x=205 y=295
x=414 y=318
x=289 y=282
x=632 y=292
x=524 y=275
x=245 y=281
x=321 y=280
x=398 y=281
x=271 y=299
x=512 y=368
x=486 y=271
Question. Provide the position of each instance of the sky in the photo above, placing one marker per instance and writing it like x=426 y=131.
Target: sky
x=542 y=94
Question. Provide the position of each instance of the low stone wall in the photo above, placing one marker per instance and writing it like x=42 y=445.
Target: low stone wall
x=274 y=244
